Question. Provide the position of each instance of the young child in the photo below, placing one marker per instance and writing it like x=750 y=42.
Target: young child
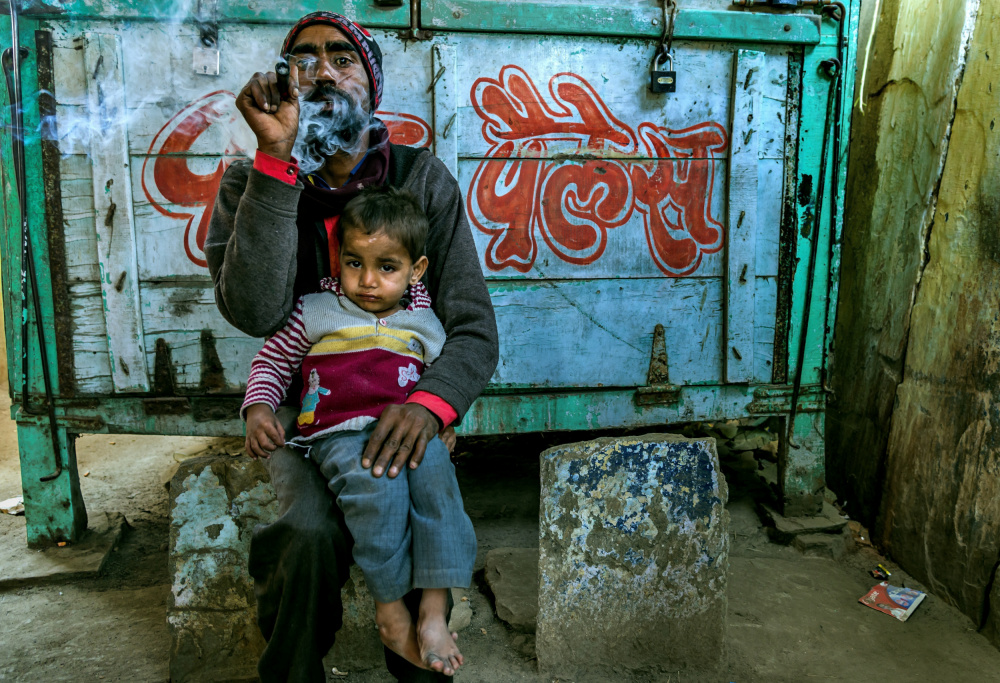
x=361 y=344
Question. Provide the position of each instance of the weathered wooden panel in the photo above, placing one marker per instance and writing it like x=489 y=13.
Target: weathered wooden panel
x=897 y=150
x=553 y=334
x=670 y=176
x=446 y=98
x=765 y=305
x=523 y=237
x=174 y=11
x=91 y=360
x=563 y=333
x=206 y=354
x=540 y=100
x=741 y=229
x=179 y=105
x=940 y=516
x=630 y=19
x=113 y=206
x=77 y=183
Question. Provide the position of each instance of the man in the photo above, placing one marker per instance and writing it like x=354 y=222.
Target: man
x=271 y=238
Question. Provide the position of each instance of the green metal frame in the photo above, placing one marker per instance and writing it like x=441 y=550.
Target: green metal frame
x=55 y=509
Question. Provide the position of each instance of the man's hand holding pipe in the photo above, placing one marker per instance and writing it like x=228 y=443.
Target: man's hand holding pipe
x=272 y=118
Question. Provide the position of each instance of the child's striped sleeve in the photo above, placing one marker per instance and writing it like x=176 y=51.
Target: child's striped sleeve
x=275 y=365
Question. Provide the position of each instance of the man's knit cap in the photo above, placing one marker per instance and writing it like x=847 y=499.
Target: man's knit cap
x=362 y=40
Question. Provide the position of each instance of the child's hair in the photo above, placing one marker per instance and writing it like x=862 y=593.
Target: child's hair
x=387 y=209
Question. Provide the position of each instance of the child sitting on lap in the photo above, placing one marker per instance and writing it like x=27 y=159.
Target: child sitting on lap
x=361 y=344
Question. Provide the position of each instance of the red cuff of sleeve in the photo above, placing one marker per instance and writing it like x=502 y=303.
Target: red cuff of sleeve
x=436 y=405
x=285 y=171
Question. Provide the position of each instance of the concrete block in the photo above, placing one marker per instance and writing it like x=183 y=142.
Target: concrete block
x=634 y=551
x=23 y=566
x=512 y=575
x=215 y=503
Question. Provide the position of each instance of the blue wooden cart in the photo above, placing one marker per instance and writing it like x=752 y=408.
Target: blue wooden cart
x=653 y=258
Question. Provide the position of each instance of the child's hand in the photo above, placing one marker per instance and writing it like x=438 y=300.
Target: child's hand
x=447 y=435
x=264 y=433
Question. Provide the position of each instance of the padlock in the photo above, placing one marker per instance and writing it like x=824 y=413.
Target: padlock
x=663 y=81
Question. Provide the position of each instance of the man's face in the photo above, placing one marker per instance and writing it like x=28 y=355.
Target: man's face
x=334 y=109
x=327 y=58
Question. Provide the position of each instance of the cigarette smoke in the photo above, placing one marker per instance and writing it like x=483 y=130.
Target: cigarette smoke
x=330 y=121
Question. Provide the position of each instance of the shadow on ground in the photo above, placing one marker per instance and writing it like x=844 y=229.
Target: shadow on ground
x=792 y=618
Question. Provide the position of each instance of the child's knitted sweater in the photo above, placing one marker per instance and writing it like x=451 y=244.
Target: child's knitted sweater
x=353 y=363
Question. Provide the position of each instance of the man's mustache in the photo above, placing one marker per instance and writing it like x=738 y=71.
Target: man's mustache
x=327 y=92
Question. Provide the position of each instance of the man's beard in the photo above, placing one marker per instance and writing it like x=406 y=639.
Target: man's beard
x=330 y=121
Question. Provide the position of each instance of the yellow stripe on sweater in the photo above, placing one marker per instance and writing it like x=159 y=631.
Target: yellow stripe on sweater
x=352 y=339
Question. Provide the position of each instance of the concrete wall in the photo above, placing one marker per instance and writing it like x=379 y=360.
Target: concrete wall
x=914 y=439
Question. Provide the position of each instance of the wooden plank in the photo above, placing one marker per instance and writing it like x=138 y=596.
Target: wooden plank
x=616 y=19
x=554 y=97
x=91 y=360
x=552 y=334
x=182 y=315
x=199 y=111
x=445 y=83
x=113 y=205
x=596 y=219
x=165 y=231
x=284 y=13
x=79 y=216
x=765 y=303
x=615 y=409
x=741 y=248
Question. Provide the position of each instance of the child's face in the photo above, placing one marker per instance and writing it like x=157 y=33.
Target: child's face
x=375 y=271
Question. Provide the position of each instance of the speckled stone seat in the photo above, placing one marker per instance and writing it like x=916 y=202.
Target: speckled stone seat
x=634 y=551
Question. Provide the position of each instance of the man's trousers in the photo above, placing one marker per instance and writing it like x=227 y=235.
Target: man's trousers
x=299 y=565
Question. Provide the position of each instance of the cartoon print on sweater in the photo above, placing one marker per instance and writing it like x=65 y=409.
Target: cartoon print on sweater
x=408 y=374
x=311 y=399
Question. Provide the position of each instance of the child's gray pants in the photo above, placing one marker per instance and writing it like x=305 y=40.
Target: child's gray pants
x=410 y=531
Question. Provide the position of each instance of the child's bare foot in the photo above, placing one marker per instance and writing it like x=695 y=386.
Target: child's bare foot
x=437 y=645
x=395 y=627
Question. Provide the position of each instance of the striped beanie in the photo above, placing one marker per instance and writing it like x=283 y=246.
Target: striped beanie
x=362 y=40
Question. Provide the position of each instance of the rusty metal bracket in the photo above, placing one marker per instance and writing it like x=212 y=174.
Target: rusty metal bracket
x=658 y=389
x=415 y=32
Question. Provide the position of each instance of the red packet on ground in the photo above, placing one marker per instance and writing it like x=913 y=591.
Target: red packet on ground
x=893 y=600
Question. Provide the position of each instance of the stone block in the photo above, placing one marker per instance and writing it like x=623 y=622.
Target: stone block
x=215 y=503
x=634 y=551
x=784 y=529
x=512 y=575
x=831 y=546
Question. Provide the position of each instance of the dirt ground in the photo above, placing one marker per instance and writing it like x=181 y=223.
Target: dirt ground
x=791 y=618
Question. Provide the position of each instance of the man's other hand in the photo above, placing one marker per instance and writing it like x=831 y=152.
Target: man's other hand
x=449 y=438
x=401 y=435
x=264 y=433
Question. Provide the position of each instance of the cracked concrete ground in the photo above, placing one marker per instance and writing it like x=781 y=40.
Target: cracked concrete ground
x=791 y=617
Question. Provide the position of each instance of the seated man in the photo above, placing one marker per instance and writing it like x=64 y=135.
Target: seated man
x=272 y=239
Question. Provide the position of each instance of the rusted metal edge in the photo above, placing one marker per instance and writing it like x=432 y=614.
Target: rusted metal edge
x=657 y=394
x=789 y=220
x=54 y=221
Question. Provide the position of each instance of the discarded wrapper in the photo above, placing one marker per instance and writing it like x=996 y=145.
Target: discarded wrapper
x=893 y=600
x=13 y=506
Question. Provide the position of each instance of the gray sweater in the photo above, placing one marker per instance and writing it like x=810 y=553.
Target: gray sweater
x=252 y=253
